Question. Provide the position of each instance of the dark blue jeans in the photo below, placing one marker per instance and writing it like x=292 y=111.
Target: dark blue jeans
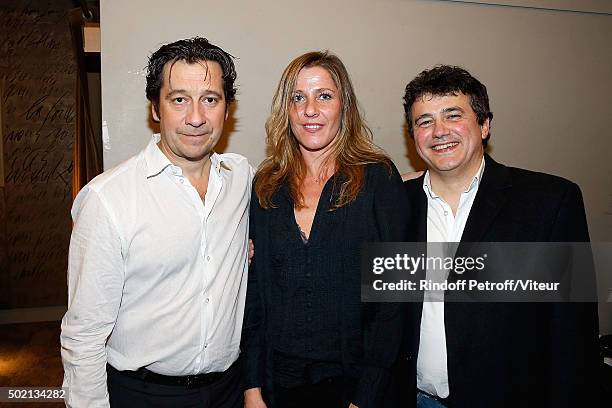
x=427 y=401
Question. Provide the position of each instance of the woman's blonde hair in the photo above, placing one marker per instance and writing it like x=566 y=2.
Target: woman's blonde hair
x=352 y=149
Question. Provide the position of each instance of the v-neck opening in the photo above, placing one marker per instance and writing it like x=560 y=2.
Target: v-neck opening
x=306 y=240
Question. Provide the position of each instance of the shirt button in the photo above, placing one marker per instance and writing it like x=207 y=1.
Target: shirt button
x=208 y=258
x=207 y=300
x=308 y=304
x=308 y=274
x=445 y=212
x=309 y=319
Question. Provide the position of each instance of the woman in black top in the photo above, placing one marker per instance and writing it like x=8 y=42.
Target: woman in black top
x=324 y=190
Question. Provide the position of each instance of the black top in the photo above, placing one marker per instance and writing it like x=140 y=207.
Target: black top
x=304 y=320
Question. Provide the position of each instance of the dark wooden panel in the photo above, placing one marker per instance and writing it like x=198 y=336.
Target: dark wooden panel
x=38 y=104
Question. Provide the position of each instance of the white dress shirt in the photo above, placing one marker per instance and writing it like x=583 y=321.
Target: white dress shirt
x=156 y=276
x=442 y=226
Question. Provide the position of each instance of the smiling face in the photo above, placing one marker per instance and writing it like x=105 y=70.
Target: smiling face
x=192 y=111
x=315 y=113
x=447 y=135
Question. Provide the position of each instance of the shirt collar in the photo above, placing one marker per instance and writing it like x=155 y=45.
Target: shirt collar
x=157 y=162
x=474 y=183
x=218 y=164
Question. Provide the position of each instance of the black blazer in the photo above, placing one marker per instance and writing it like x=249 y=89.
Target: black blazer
x=512 y=354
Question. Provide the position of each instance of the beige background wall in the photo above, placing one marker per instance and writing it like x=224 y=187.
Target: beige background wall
x=595 y=6
x=548 y=73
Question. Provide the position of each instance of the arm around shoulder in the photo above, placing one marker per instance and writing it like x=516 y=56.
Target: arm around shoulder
x=391 y=206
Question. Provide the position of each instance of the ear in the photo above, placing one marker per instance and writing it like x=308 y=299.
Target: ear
x=485 y=128
x=154 y=113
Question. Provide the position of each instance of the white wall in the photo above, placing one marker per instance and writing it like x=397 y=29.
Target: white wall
x=548 y=73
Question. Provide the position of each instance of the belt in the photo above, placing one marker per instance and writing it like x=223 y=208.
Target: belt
x=187 y=381
x=446 y=402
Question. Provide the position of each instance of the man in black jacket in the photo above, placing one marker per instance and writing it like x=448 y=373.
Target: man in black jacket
x=496 y=354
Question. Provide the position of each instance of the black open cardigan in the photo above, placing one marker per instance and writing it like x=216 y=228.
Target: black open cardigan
x=370 y=333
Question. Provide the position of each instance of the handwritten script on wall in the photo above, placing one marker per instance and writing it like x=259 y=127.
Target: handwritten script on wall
x=38 y=118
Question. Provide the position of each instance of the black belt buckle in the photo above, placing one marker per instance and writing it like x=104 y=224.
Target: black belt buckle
x=187 y=381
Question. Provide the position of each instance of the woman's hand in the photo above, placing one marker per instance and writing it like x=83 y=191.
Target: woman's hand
x=251 y=250
x=253 y=398
x=411 y=175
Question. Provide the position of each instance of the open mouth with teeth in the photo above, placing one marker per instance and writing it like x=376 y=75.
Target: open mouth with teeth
x=313 y=127
x=446 y=147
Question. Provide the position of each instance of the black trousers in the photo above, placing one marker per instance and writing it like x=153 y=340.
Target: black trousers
x=126 y=392
x=330 y=393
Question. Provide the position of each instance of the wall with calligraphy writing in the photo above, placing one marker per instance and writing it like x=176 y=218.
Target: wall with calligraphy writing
x=38 y=120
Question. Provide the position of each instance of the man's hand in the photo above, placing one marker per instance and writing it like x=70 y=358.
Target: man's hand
x=251 y=250
x=253 y=398
x=353 y=406
x=411 y=175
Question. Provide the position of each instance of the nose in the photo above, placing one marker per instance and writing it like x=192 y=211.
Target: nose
x=196 y=116
x=310 y=108
x=440 y=130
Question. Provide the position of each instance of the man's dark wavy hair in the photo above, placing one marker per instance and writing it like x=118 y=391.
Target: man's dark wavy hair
x=448 y=80
x=192 y=51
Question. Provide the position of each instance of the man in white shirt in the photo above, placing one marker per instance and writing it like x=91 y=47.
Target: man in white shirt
x=158 y=255
x=483 y=355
